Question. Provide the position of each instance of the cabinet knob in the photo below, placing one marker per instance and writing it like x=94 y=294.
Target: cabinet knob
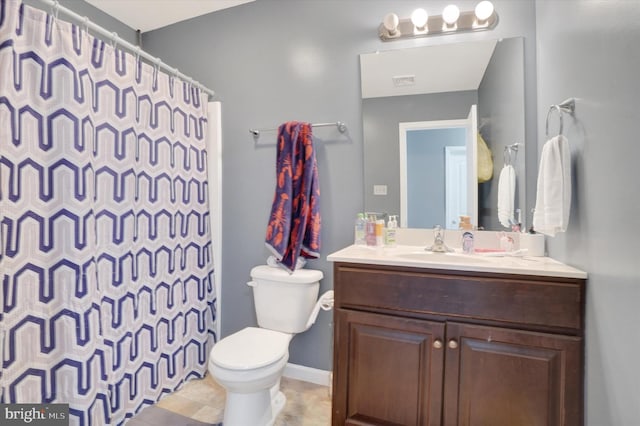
x=453 y=344
x=437 y=343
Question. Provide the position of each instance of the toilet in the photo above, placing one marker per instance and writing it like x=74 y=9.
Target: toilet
x=249 y=363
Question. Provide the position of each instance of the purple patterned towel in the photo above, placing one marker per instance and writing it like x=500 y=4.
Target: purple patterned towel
x=294 y=223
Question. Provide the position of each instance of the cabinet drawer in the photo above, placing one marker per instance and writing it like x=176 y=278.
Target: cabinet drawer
x=539 y=302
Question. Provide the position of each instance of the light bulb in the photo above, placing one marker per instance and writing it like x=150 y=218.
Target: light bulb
x=390 y=22
x=419 y=18
x=450 y=14
x=484 y=10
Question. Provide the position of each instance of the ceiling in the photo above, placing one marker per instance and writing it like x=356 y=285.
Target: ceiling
x=433 y=69
x=147 y=15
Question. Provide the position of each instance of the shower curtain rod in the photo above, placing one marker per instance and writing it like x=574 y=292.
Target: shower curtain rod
x=137 y=50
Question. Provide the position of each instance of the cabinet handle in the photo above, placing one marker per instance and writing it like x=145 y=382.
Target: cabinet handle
x=453 y=344
x=437 y=343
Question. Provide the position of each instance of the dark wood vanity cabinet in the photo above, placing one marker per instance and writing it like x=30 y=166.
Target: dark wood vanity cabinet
x=414 y=346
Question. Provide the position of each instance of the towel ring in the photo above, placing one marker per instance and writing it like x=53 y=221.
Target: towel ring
x=568 y=106
x=557 y=108
x=509 y=154
x=506 y=156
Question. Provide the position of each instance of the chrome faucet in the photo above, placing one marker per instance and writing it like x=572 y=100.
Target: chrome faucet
x=438 y=241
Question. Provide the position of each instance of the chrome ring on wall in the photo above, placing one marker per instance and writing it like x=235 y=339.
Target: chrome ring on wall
x=568 y=106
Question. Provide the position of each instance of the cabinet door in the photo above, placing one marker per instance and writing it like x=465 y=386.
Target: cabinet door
x=388 y=370
x=502 y=377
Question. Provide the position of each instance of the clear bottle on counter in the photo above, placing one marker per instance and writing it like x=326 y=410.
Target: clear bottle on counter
x=360 y=237
x=370 y=230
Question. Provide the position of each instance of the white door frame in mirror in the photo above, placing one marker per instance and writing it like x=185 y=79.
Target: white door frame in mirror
x=470 y=124
x=472 y=164
x=455 y=182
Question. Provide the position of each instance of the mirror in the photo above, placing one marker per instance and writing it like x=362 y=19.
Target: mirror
x=437 y=84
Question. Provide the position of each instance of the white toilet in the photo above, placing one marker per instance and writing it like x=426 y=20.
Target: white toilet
x=249 y=363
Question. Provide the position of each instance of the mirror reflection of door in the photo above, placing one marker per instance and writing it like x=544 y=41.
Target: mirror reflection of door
x=424 y=201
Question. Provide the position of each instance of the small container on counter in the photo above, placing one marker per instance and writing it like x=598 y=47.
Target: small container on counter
x=379 y=232
x=533 y=243
x=467 y=242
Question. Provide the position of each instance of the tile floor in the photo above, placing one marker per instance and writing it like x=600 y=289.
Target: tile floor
x=201 y=403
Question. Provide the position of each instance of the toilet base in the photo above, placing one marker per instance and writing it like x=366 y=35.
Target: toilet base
x=277 y=404
x=264 y=409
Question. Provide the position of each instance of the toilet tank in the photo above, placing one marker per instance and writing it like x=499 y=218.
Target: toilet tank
x=284 y=301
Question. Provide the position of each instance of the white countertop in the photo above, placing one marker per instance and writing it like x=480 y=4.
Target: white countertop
x=417 y=257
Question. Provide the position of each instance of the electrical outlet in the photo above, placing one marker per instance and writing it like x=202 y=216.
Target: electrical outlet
x=379 y=189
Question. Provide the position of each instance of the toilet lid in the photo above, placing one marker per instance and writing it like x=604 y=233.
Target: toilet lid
x=250 y=348
x=299 y=276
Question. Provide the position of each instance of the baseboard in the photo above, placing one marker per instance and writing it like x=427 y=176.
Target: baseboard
x=307 y=374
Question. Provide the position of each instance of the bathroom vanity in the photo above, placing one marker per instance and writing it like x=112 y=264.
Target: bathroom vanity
x=438 y=339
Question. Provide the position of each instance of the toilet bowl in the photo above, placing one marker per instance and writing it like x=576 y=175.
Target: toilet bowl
x=250 y=362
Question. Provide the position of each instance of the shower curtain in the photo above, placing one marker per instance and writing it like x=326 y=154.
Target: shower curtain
x=106 y=293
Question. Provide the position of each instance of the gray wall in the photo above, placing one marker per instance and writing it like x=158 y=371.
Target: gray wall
x=588 y=49
x=501 y=120
x=380 y=117
x=276 y=60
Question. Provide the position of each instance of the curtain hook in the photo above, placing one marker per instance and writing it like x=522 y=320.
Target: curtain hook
x=173 y=78
x=176 y=75
x=114 y=40
x=156 y=70
x=56 y=9
x=86 y=24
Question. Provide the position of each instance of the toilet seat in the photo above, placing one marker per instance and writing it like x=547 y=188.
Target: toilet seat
x=250 y=348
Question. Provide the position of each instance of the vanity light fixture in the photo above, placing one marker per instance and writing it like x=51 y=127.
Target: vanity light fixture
x=450 y=16
x=390 y=23
x=421 y=24
x=484 y=10
x=419 y=19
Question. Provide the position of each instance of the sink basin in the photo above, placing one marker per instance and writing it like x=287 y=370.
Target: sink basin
x=458 y=258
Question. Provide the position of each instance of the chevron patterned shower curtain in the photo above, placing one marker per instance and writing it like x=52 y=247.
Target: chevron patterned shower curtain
x=106 y=293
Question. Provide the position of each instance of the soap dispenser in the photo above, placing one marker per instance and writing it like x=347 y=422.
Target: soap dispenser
x=390 y=232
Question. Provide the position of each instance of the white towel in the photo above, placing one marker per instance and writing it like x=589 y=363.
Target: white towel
x=506 y=195
x=553 y=197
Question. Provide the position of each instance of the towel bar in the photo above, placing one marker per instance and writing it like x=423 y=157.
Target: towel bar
x=339 y=124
